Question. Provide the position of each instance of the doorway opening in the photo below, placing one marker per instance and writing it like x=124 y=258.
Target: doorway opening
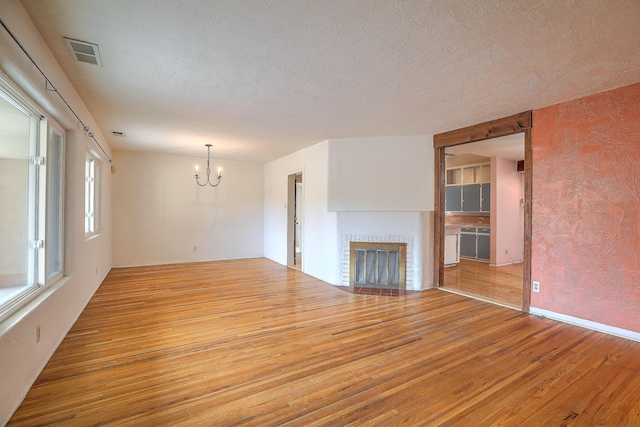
x=484 y=219
x=295 y=209
x=482 y=226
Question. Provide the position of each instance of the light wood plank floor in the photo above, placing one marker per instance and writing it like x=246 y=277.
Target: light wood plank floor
x=253 y=343
x=479 y=279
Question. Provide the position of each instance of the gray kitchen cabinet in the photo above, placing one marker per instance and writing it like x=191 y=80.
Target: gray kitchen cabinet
x=483 y=250
x=468 y=189
x=468 y=245
x=471 y=197
x=453 y=198
x=475 y=243
x=486 y=197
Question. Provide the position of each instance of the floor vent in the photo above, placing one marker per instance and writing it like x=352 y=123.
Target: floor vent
x=84 y=51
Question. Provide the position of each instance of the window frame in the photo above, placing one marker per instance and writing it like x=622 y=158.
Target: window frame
x=38 y=214
x=91 y=195
x=57 y=168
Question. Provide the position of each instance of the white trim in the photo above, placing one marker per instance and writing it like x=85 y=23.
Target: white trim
x=51 y=130
x=600 y=327
x=28 y=304
x=506 y=264
x=15 y=90
x=17 y=99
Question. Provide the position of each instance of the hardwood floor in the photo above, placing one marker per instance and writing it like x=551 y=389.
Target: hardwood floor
x=253 y=343
x=502 y=285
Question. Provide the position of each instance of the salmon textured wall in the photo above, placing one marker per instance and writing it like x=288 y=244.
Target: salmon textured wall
x=586 y=208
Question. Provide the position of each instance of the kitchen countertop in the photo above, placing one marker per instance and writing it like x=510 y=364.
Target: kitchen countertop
x=454 y=225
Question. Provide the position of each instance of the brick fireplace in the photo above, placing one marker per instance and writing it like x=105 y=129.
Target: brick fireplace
x=378 y=261
x=379 y=265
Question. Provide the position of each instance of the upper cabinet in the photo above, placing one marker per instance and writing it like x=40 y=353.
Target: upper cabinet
x=468 y=188
x=470 y=174
x=454 y=176
x=471 y=197
x=453 y=198
x=486 y=197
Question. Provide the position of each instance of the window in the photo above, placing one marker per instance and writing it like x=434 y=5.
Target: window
x=90 y=195
x=31 y=195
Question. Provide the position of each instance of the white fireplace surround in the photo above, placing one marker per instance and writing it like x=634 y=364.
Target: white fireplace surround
x=377 y=238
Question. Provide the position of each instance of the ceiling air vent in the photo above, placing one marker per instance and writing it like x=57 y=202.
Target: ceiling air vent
x=118 y=133
x=85 y=52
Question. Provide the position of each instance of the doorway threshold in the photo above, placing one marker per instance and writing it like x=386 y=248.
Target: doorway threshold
x=454 y=291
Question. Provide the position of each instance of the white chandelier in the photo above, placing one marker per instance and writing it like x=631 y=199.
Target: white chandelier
x=208 y=171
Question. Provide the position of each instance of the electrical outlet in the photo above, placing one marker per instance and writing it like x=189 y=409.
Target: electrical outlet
x=536 y=286
x=37 y=334
x=195 y=248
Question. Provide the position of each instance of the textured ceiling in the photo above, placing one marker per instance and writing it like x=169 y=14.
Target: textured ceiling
x=509 y=147
x=260 y=79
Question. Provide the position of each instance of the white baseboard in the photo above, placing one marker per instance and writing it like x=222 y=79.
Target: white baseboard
x=600 y=327
x=505 y=264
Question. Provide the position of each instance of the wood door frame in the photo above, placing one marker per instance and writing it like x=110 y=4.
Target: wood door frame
x=517 y=123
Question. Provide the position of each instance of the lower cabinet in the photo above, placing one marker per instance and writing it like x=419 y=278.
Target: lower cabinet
x=468 y=245
x=475 y=243
x=451 y=249
x=484 y=247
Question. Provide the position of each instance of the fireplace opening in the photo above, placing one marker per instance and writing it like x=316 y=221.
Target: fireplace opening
x=378 y=265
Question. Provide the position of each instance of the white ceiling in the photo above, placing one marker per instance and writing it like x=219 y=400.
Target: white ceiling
x=260 y=79
x=509 y=147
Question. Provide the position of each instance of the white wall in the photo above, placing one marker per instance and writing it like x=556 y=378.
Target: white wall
x=87 y=261
x=160 y=215
x=384 y=187
x=319 y=225
x=392 y=174
x=361 y=176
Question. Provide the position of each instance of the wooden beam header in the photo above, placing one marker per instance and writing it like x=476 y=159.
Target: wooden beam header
x=480 y=132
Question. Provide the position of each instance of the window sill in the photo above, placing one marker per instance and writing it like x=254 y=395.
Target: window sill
x=19 y=313
x=90 y=236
